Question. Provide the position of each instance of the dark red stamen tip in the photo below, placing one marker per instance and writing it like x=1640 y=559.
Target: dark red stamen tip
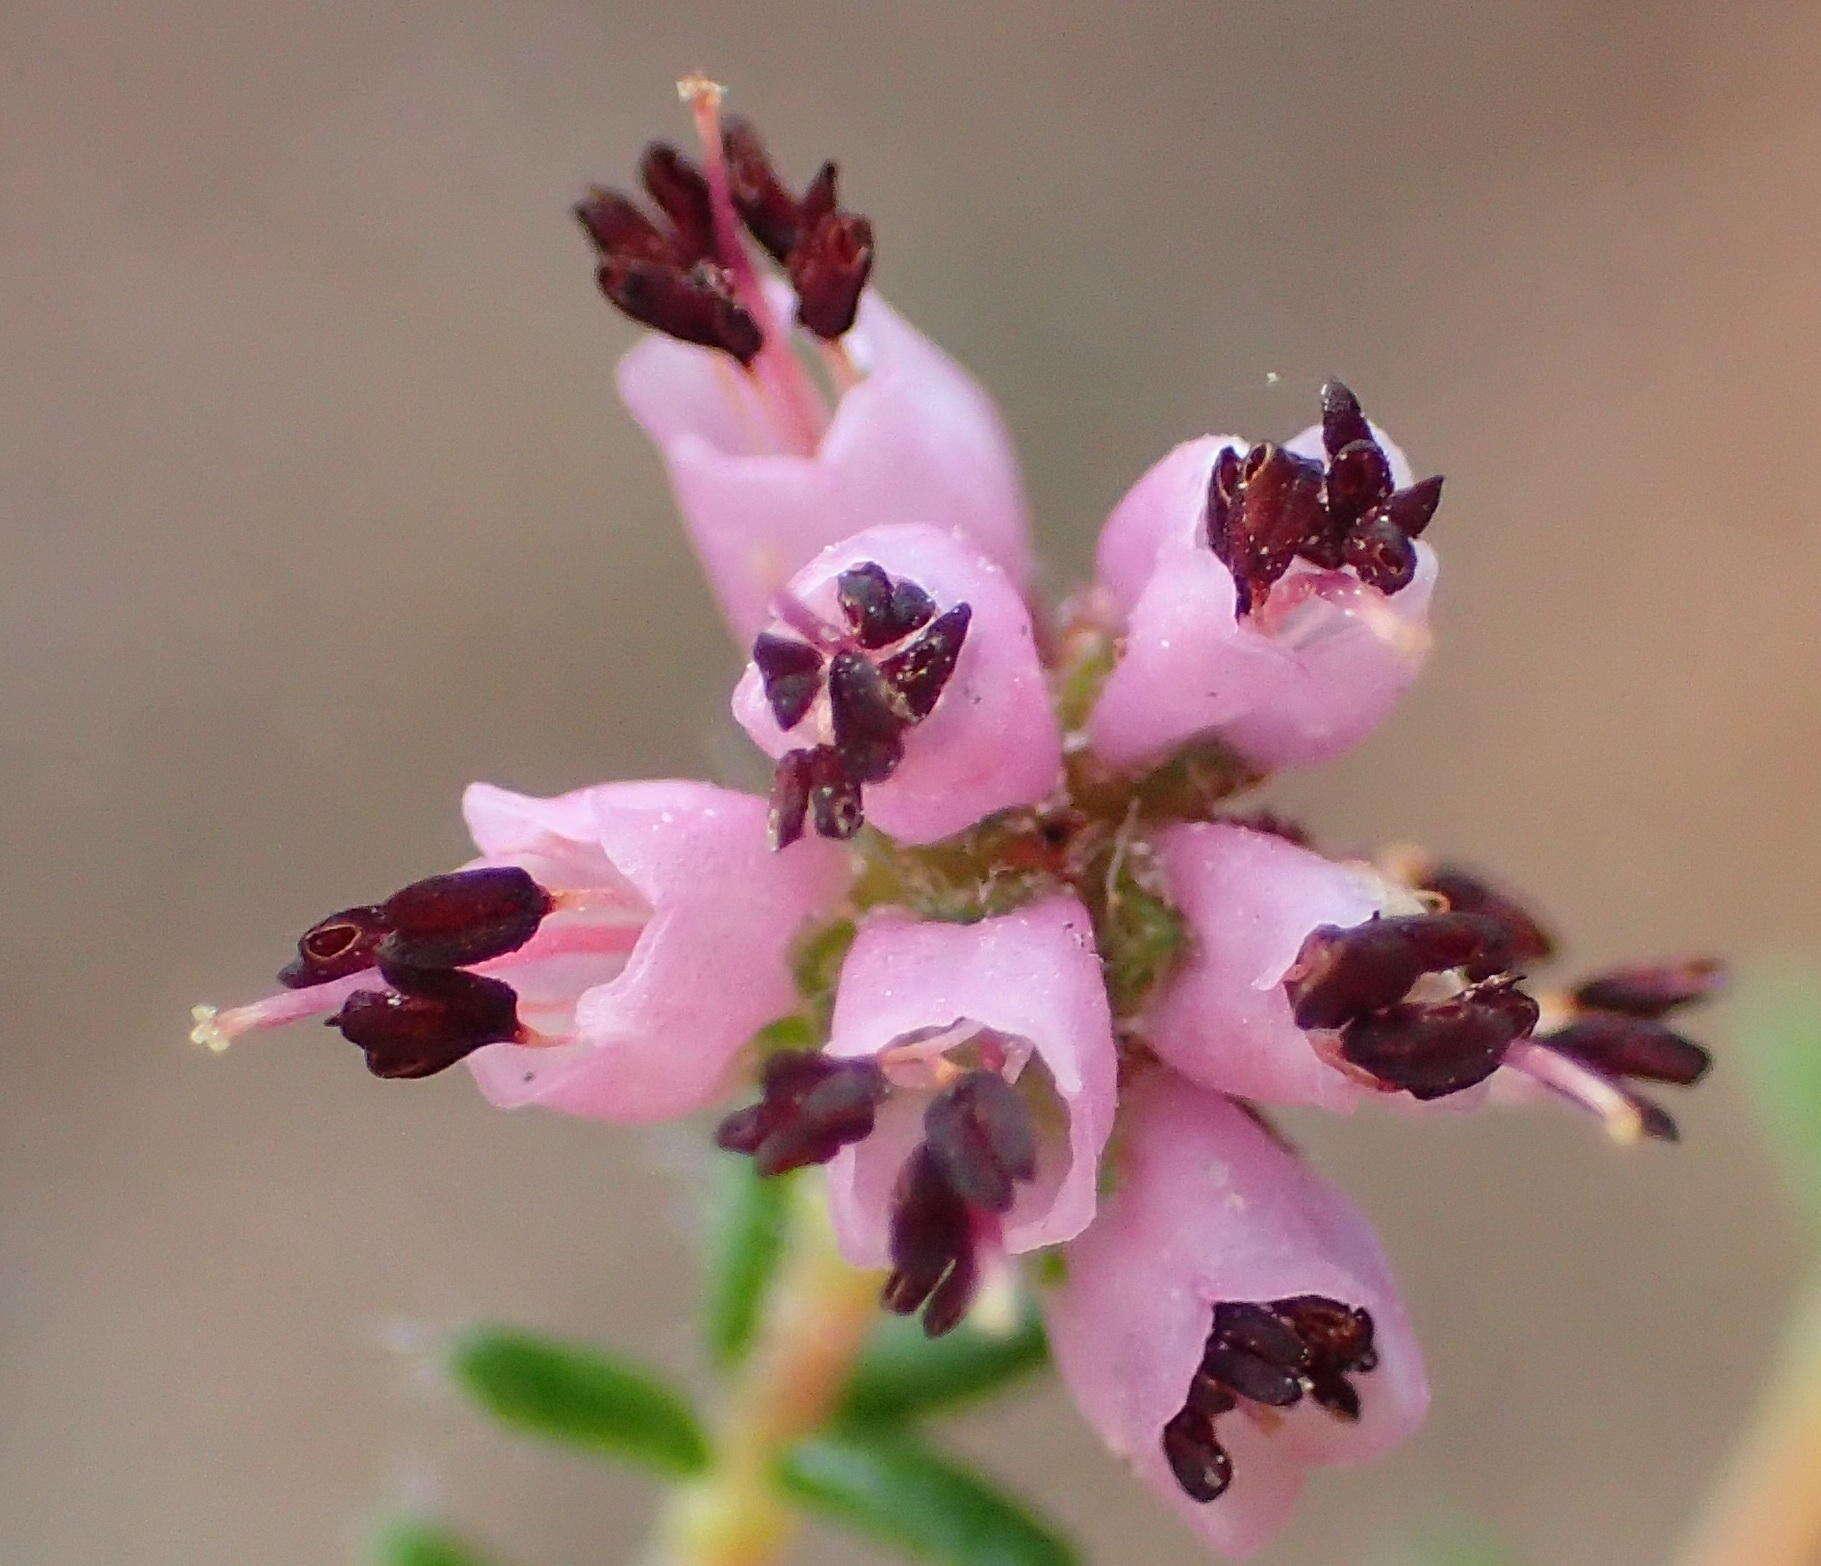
x=828 y=268
x=1343 y=973
x=769 y=211
x=932 y=1248
x=429 y=1021
x=1526 y=940
x=681 y=193
x=920 y=671
x=335 y=947
x=1271 y=1353
x=696 y=306
x=1343 y=422
x=1414 y=508
x=791 y=672
x=1652 y=989
x=834 y=797
x=1380 y=552
x=868 y=723
x=811 y=1106
x=980 y=1133
x=1622 y=1046
x=878 y=610
x=1359 y=477
x=618 y=228
x=470 y=916
x=1432 y=1049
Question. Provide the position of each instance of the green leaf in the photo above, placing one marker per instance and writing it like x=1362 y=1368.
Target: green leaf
x=897 y=1491
x=1778 y=1021
x=748 y=1224
x=411 y=1541
x=578 y=1396
x=905 y=1375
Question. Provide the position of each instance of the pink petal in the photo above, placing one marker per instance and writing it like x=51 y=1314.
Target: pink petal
x=992 y=742
x=1208 y=1207
x=1033 y=974
x=711 y=966
x=916 y=441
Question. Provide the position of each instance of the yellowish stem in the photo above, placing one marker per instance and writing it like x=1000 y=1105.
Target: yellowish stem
x=1767 y=1509
x=816 y=1320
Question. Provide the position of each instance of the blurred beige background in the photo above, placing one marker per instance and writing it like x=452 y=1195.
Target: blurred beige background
x=317 y=504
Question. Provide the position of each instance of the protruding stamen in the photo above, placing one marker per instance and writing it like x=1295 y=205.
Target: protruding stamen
x=920 y=671
x=790 y=781
x=695 y=306
x=811 y=1107
x=1271 y=1353
x=878 y=610
x=681 y=194
x=791 y=672
x=1624 y=1046
x=1628 y=1117
x=1526 y=940
x=868 y=727
x=1343 y=421
x=466 y=917
x=932 y=1248
x=1652 y=989
x=829 y=268
x=1432 y=1049
x=335 y=947
x=1342 y=973
x=429 y=1021
x=980 y=1132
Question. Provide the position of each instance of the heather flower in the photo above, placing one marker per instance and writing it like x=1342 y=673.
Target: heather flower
x=1229 y=1321
x=769 y=468
x=983 y=1054
x=900 y=682
x=1266 y=598
x=608 y=955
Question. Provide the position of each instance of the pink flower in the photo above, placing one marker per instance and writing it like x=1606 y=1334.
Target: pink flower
x=902 y=666
x=913 y=439
x=1312 y=981
x=609 y=955
x=964 y=1097
x=766 y=470
x=1265 y=600
x=1229 y=1321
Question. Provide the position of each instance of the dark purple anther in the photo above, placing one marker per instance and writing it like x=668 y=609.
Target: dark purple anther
x=834 y=797
x=1622 y=1046
x=1359 y=477
x=920 y=670
x=879 y=611
x=681 y=194
x=1343 y=422
x=1412 y=509
x=1343 y=973
x=868 y=723
x=828 y=268
x=697 y=306
x=790 y=781
x=429 y=1021
x=1652 y=989
x=1525 y=943
x=979 y=1132
x=1380 y=552
x=811 y=1107
x=335 y=947
x=792 y=675
x=769 y=211
x=619 y=229
x=1432 y=1049
x=932 y=1248
x=470 y=916
x=1277 y=515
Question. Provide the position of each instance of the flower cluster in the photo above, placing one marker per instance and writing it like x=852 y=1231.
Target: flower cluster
x=999 y=951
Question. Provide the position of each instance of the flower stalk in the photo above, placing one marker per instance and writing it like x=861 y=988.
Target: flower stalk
x=816 y=1322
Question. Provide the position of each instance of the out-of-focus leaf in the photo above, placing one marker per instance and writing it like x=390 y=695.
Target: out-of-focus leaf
x=578 y=1396
x=1778 y=1022
x=905 y=1375
x=900 y=1492
x=747 y=1227
x=411 y=1541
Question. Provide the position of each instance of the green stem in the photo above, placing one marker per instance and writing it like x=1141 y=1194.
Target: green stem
x=817 y=1318
x=1766 y=1511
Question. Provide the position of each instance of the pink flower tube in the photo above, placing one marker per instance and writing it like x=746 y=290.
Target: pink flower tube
x=608 y=955
x=1312 y=981
x=1229 y=1320
x=901 y=662
x=912 y=439
x=1290 y=661
x=918 y=996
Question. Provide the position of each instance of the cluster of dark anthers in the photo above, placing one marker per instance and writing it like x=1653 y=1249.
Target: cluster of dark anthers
x=1359 y=982
x=422 y=939
x=1272 y=1354
x=673 y=272
x=881 y=676
x=1271 y=506
x=978 y=1146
